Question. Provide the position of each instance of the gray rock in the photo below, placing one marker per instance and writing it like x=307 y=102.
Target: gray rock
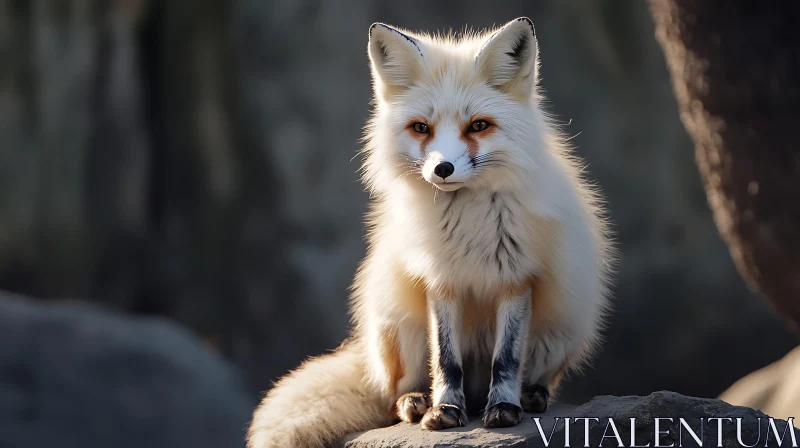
x=694 y=411
x=77 y=376
x=774 y=389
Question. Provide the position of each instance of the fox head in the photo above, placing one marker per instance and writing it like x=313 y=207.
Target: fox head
x=455 y=113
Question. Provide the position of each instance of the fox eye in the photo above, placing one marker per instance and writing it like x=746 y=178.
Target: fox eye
x=478 y=126
x=421 y=128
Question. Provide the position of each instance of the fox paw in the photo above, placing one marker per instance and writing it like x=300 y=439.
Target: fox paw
x=534 y=398
x=444 y=416
x=412 y=406
x=501 y=415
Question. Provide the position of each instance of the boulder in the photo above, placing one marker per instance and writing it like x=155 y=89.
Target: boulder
x=774 y=389
x=72 y=375
x=606 y=409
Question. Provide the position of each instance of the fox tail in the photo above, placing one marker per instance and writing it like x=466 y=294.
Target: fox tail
x=316 y=405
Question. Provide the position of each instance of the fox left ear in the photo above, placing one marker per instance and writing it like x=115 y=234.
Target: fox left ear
x=396 y=57
x=509 y=58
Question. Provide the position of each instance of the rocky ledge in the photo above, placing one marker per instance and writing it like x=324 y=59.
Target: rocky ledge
x=75 y=376
x=693 y=420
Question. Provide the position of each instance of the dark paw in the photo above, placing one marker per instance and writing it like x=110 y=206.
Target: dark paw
x=412 y=406
x=444 y=416
x=534 y=398
x=501 y=415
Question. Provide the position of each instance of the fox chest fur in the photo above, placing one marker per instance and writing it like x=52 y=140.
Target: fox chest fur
x=478 y=243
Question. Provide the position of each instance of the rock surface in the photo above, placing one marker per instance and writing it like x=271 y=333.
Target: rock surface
x=604 y=408
x=75 y=376
x=774 y=390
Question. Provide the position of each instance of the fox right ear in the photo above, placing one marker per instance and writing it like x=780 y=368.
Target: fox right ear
x=509 y=57
x=396 y=58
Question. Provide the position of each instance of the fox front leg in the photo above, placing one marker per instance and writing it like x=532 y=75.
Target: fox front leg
x=414 y=387
x=503 y=407
x=449 y=405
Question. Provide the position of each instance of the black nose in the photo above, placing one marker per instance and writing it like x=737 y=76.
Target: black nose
x=444 y=169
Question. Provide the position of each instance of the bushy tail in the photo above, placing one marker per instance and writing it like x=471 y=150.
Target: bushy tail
x=317 y=404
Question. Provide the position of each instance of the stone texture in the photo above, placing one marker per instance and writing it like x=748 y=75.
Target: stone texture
x=75 y=376
x=775 y=389
x=620 y=409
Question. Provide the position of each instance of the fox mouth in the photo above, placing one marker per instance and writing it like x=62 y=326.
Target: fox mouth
x=448 y=186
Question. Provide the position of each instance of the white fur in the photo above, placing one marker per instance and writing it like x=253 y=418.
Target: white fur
x=450 y=313
x=547 y=209
x=507 y=391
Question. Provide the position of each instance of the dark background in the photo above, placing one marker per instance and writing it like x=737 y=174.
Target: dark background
x=192 y=159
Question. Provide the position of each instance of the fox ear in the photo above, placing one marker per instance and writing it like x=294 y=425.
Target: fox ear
x=397 y=59
x=509 y=57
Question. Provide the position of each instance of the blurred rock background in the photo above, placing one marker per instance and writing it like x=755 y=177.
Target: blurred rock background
x=192 y=159
x=75 y=377
x=742 y=124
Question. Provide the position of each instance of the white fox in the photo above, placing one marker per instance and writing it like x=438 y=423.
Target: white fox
x=486 y=277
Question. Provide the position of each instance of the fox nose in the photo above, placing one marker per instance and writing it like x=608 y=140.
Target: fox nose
x=444 y=169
